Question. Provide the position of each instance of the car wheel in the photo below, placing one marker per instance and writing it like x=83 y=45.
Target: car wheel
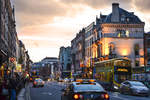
x=130 y=92
x=121 y=91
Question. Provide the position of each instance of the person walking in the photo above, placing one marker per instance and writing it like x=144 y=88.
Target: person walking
x=13 y=87
x=4 y=90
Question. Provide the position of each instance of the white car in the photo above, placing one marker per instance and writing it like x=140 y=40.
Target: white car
x=134 y=87
x=66 y=80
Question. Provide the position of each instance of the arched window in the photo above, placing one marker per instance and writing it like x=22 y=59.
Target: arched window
x=136 y=49
x=111 y=48
x=148 y=61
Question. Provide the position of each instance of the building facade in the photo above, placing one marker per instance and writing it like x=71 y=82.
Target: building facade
x=8 y=36
x=147 y=48
x=122 y=36
x=46 y=67
x=117 y=35
x=78 y=51
x=65 y=58
x=89 y=40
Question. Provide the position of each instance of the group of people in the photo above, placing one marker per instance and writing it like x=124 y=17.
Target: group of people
x=10 y=86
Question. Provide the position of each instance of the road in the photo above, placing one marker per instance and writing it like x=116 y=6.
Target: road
x=52 y=91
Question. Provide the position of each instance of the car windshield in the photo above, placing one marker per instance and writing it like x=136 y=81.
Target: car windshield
x=88 y=88
x=136 y=84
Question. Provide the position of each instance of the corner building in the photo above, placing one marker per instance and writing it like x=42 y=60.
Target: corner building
x=121 y=35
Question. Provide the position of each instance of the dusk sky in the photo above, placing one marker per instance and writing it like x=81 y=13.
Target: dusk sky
x=46 y=25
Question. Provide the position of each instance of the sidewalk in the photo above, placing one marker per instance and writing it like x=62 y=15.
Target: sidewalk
x=24 y=94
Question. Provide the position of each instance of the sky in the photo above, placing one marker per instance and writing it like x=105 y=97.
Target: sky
x=46 y=25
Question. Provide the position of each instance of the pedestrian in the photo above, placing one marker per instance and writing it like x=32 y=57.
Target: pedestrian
x=4 y=93
x=13 y=87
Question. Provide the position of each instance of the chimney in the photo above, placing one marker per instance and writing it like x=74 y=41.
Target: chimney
x=115 y=12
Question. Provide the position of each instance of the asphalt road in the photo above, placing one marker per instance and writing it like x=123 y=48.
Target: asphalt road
x=52 y=91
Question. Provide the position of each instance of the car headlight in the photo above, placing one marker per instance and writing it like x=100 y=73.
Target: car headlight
x=116 y=87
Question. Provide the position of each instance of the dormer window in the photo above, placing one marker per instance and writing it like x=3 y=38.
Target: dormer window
x=122 y=18
x=128 y=19
x=127 y=33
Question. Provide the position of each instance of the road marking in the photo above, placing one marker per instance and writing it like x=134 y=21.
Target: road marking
x=47 y=93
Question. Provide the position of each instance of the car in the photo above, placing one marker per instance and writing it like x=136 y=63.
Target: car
x=60 y=80
x=84 y=90
x=134 y=88
x=66 y=80
x=71 y=80
x=146 y=83
x=38 y=83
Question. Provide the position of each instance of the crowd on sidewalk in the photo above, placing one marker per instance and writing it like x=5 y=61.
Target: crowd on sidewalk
x=10 y=86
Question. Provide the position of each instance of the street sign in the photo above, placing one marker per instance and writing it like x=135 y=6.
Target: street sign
x=12 y=59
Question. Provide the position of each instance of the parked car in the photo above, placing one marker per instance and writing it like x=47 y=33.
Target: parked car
x=81 y=90
x=66 y=80
x=60 y=80
x=134 y=88
x=146 y=83
x=38 y=83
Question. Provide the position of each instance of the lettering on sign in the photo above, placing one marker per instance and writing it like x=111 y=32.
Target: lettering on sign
x=122 y=70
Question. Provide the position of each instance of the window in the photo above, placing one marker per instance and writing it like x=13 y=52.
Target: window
x=127 y=33
x=128 y=19
x=122 y=33
x=111 y=48
x=122 y=18
x=148 y=51
x=136 y=63
x=126 y=83
x=136 y=49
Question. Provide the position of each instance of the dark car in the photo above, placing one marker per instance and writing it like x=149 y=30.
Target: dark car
x=134 y=88
x=84 y=91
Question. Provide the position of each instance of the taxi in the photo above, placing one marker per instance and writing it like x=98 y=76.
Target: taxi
x=84 y=90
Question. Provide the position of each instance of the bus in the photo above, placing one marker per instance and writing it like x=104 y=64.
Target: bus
x=113 y=72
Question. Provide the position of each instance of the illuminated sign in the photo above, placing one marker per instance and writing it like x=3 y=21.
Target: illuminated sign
x=122 y=70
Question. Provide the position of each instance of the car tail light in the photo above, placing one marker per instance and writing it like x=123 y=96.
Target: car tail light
x=30 y=79
x=34 y=82
x=78 y=96
x=105 y=96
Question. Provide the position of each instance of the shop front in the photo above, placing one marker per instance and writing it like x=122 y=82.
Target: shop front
x=3 y=65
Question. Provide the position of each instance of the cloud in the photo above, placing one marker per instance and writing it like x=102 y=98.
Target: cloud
x=98 y=4
x=30 y=12
x=142 y=5
x=43 y=42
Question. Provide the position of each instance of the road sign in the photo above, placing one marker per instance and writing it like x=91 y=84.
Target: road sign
x=12 y=59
